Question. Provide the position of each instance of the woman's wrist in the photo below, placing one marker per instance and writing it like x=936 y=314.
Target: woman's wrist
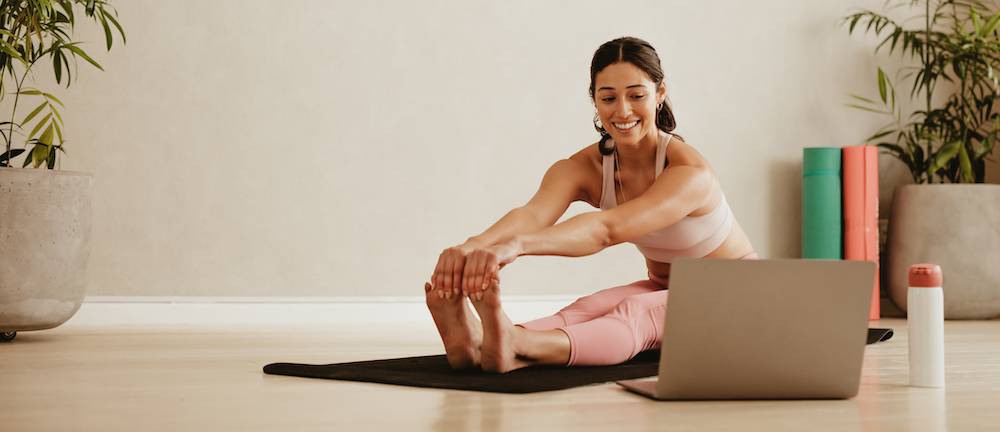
x=474 y=243
x=517 y=245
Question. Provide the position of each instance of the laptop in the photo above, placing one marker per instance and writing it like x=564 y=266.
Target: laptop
x=762 y=329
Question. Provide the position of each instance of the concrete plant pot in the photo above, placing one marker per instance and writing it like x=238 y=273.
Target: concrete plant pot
x=956 y=226
x=44 y=247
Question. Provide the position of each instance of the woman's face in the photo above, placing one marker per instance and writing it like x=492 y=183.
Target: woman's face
x=626 y=101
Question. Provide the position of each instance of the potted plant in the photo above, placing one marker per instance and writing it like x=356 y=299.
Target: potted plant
x=44 y=213
x=950 y=66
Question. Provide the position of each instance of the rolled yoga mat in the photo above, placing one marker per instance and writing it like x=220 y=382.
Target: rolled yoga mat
x=860 y=189
x=822 y=223
x=434 y=372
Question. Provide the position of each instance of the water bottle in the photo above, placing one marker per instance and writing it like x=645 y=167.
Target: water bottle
x=925 y=319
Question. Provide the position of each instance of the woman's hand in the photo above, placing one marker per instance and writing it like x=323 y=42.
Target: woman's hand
x=447 y=278
x=484 y=265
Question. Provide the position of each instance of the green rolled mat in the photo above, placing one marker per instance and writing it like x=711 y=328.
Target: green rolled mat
x=822 y=219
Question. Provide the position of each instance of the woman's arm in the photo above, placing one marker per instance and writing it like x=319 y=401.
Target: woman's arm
x=561 y=185
x=671 y=198
x=675 y=194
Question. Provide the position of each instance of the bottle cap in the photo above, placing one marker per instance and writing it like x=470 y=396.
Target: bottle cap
x=925 y=276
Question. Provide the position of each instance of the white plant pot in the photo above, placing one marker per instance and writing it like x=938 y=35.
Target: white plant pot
x=956 y=226
x=44 y=246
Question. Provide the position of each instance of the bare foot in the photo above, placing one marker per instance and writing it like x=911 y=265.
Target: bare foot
x=460 y=331
x=497 y=352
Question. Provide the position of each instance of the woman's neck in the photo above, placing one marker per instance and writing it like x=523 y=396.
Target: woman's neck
x=639 y=154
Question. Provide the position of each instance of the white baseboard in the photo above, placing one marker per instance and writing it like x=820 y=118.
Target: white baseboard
x=256 y=311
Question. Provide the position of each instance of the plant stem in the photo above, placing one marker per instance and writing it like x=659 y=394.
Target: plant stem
x=927 y=88
x=13 y=112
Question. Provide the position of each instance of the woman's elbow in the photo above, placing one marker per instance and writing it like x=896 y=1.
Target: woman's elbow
x=610 y=234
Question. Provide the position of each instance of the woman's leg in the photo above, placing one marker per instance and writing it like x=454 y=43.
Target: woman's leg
x=633 y=326
x=538 y=342
x=506 y=347
x=595 y=305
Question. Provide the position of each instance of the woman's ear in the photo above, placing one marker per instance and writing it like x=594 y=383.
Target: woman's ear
x=661 y=93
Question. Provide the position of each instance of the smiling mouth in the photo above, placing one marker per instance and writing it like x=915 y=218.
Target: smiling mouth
x=625 y=127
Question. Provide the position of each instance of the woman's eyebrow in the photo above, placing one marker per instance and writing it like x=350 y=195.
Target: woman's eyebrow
x=612 y=88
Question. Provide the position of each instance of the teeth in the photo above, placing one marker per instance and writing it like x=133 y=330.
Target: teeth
x=626 y=125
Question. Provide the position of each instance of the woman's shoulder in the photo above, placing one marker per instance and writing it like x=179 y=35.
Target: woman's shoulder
x=589 y=156
x=681 y=152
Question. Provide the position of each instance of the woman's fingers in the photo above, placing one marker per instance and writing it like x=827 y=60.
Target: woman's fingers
x=474 y=279
x=477 y=272
x=451 y=268
x=487 y=272
x=457 y=271
x=437 y=282
x=468 y=276
x=467 y=272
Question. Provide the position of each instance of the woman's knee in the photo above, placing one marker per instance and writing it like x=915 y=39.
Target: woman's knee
x=640 y=304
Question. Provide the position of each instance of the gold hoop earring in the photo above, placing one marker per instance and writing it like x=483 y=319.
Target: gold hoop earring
x=598 y=124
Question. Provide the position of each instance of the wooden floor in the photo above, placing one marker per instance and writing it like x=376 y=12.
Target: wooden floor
x=97 y=378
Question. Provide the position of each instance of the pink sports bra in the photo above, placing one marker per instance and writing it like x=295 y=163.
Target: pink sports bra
x=693 y=236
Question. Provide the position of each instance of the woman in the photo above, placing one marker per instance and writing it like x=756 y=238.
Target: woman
x=652 y=189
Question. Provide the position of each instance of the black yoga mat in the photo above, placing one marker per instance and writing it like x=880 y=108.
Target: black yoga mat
x=878 y=335
x=434 y=372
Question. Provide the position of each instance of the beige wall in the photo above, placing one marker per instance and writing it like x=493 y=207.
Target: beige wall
x=250 y=147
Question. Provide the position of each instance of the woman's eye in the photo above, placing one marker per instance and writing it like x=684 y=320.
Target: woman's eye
x=638 y=97
x=608 y=99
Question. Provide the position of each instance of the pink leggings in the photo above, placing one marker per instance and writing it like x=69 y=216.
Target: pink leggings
x=613 y=325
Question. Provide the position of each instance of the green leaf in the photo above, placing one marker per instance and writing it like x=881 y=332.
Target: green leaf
x=13 y=153
x=863 y=99
x=107 y=30
x=53 y=98
x=79 y=52
x=69 y=73
x=28 y=159
x=965 y=165
x=37 y=110
x=55 y=112
x=51 y=160
x=976 y=23
x=46 y=137
x=38 y=127
x=854 y=22
x=40 y=154
x=880 y=135
x=871 y=110
x=881 y=84
x=11 y=51
x=991 y=25
x=944 y=156
x=57 y=66
x=30 y=92
x=58 y=131
x=114 y=21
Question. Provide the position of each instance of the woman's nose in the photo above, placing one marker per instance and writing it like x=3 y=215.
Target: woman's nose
x=623 y=108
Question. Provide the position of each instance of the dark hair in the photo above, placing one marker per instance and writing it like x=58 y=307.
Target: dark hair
x=641 y=54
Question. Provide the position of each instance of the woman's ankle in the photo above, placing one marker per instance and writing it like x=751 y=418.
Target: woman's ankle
x=541 y=346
